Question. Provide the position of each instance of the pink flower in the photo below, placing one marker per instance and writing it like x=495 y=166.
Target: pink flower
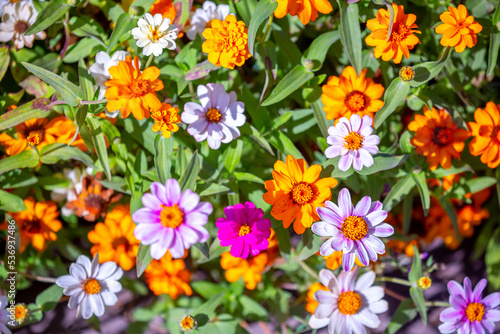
x=244 y=229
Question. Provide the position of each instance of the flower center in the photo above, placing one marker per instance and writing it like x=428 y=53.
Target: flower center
x=302 y=193
x=462 y=24
x=91 y=286
x=139 y=87
x=21 y=313
x=401 y=33
x=475 y=311
x=21 y=26
x=407 y=73
x=244 y=230
x=171 y=216
x=31 y=225
x=33 y=138
x=354 y=228
x=120 y=242
x=355 y=101
x=495 y=134
x=188 y=323
x=93 y=203
x=164 y=117
x=155 y=34
x=349 y=302
x=213 y=115
x=353 y=141
x=442 y=136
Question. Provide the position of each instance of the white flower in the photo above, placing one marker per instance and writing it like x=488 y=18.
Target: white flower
x=3 y=3
x=217 y=118
x=349 y=305
x=75 y=177
x=100 y=69
x=154 y=34
x=16 y=19
x=202 y=16
x=5 y=315
x=91 y=286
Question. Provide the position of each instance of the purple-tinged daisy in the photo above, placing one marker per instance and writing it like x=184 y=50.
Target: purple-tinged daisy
x=171 y=220
x=470 y=313
x=349 y=305
x=244 y=229
x=353 y=230
x=353 y=140
x=217 y=118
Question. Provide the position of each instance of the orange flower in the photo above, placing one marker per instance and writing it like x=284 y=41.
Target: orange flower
x=114 y=239
x=470 y=216
x=402 y=38
x=447 y=181
x=168 y=276
x=486 y=133
x=296 y=191
x=400 y=246
x=131 y=90
x=93 y=200
x=458 y=29
x=37 y=224
x=251 y=268
x=307 y=10
x=334 y=260
x=165 y=8
x=165 y=119
x=349 y=94
x=311 y=303
x=40 y=132
x=226 y=42
x=437 y=137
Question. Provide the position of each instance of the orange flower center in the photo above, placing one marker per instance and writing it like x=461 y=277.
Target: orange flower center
x=21 y=312
x=302 y=193
x=139 y=87
x=474 y=311
x=21 y=26
x=94 y=203
x=442 y=136
x=120 y=242
x=349 y=302
x=355 y=101
x=495 y=134
x=171 y=216
x=188 y=323
x=164 y=117
x=424 y=282
x=31 y=225
x=213 y=115
x=354 y=228
x=244 y=230
x=400 y=33
x=33 y=138
x=91 y=286
x=462 y=24
x=353 y=141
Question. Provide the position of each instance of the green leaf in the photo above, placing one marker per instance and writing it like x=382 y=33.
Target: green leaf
x=144 y=258
x=480 y=183
x=441 y=172
x=265 y=8
x=17 y=178
x=48 y=298
x=76 y=50
x=205 y=311
x=10 y=202
x=26 y=159
x=319 y=48
x=399 y=191
x=393 y=96
x=417 y=296
x=450 y=210
x=494 y=42
x=203 y=248
x=242 y=176
x=214 y=189
x=492 y=260
x=351 y=33
x=381 y=162
x=50 y=14
x=404 y=314
x=251 y=307
x=246 y=9
x=233 y=157
x=124 y=24
x=423 y=189
x=285 y=145
x=4 y=60
x=404 y=142
x=164 y=148
x=99 y=144
x=311 y=248
x=21 y=114
x=425 y=72
x=85 y=79
x=68 y=90
x=292 y=81
x=416 y=266
x=52 y=153
x=190 y=174
x=207 y=289
x=283 y=236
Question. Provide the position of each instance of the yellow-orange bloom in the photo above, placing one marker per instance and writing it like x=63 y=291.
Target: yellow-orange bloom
x=133 y=91
x=165 y=118
x=226 y=42
x=458 y=28
x=37 y=224
x=437 y=137
x=402 y=38
x=165 y=8
x=311 y=303
x=349 y=94
x=486 y=133
x=306 y=10
x=334 y=260
x=296 y=191
x=168 y=276
x=114 y=239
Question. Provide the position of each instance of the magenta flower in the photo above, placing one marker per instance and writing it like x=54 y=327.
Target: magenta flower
x=353 y=230
x=244 y=230
x=470 y=313
x=171 y=220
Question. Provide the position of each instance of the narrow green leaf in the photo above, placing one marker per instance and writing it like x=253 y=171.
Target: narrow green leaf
x=416 y=266
x=246 y=9
x=214 y=189
x=351 y=33
x=492 y=260
x=123 y=26
x=99 y=144
x=265 y=8
x=404 y=142
x=190 y=174
x=203 y=248
x=450 y=210
x=207 y=309
x=242 y=176
x=319 y=48
x=292 y=81
x=21 y=114
x=494 y=42
x=399 y=191
x=283 y=236
x=50 y=14
x=49 y=298
x=480 y=183
x=417 y=296
x=320 y=116
x=393 y=96
x=10 y=202
x=425 y=72
x=144 y=258
x=164 y=148
x=4 y=60
x=311 y=248
x=85 y=79
x=17 y=178
x=26 y=159
x=207 y=289
x=404 y=314
x=407 y=213
x=423 y=189
x=233 y=157
x=441 y=172
x=52 y=153
x=285 y=145
x=382 y=161
x=251 y=308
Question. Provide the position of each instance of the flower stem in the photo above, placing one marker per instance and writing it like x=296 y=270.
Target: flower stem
x=437 y=304
x=268 y=28
x=393 y=280
x=150 y=60
x=309 y=270
x=39 y=278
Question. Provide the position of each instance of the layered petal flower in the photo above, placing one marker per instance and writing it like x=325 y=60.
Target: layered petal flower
x=459 y=29
x=486 y=134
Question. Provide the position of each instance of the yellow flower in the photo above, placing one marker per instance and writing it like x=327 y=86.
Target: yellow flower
x=458 y=28
x=306 y=10
x=21 y=313
x=165 y=118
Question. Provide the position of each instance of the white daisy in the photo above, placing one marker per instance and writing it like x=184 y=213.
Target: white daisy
x=201 y=18
x=5 y=315
x=3 y=3
x=91 y=286
x=217 y=118
x=100 y=69
x=349 y=305
x=16 y=19
x=155 y=34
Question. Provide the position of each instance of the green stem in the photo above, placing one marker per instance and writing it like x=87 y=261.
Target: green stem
x=39 y=278
x=150 y=60
x=268 y=28
x=393 y=280
x=309 y=270
x=437 y=304
x=94 y=102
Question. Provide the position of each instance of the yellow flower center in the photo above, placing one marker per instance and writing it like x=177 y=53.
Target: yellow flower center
x=354 y=228
x=21 y=313
x=244 y=230
x=442 y=136
x=171 y=216
x=349 y=302
x=155 y=34
x=353 y=141
x=187 y=323
x=355 y=101
x=213 y=115
x=462 y=24
x=400 y=33
x=424 y=283
x=474 y=311
x=91 y=286
x=407 y=73
x=33 y=138
x=302 y=193
x=139 y=87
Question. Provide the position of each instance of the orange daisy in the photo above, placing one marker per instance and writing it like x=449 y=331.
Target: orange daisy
x=437 y=137
x=133 y=91
x=165 y=8
x=296 y=191
x=311 y=303
x=349 y=94
x=306 y=10
x=37 y=224
x=226 y=42
x=165 y=118
x=486 y=133
x=458 y=28
x=402 y=38
x=114 y=239
x=168 y=276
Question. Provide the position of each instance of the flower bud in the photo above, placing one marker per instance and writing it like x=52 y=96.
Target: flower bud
x=188 y=323
x=424 y=282
x=407 y=73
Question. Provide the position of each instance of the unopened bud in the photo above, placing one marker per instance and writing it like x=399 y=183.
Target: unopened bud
x=188 y=323
x=424 y=282
x=407 y=73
